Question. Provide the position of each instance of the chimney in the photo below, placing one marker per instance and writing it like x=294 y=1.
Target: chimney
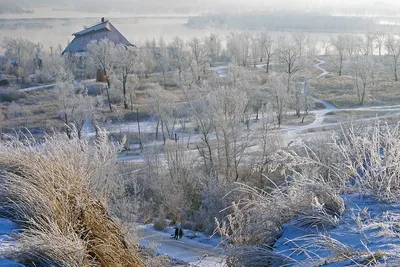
x=102 y=19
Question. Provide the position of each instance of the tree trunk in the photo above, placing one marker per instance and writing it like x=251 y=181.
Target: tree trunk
x=108 y=94
x=163 y=133
x=124 y=79
x=158 y=124
x=138 y=124
x=340 y=65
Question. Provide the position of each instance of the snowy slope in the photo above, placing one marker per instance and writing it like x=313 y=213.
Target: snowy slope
x=368 y=232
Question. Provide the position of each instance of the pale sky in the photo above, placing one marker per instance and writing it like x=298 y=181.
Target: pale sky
x=216 y=5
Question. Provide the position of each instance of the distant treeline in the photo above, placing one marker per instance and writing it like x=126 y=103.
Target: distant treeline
x=285 y=21
x=9 y=7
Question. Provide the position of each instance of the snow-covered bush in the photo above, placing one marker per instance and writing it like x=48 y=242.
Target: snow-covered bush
x=370 y=159
x=309 y=202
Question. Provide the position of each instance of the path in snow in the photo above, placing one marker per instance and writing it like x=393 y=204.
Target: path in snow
x=191 y=251
x=49 y=86
x=36 y=88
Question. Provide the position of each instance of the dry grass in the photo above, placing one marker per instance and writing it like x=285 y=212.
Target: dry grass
x=371 y=157
x=54 y=191
x=307 y=201
x=256 y=256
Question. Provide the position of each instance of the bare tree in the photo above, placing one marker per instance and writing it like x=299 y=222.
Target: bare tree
x=213 y=45
x=198 y=57
x=300 y=40
x=380 y=39
x=229 y=104
x=147 y=62
x=339 y=42
x=163 y=103
x=255 y=48
x=363 y=73
x=132 y=84
x=325 y=45
x=202 y=112
x=75 y=107
x=393 y=48
x=289 y=56
x=238 y=46
x=369 y=44
x=179 y=55
x=164 y=59
x=267 y=50
x=125 y=64
x=277 y=87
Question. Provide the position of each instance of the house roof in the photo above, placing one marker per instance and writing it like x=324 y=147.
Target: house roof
x=96 y=32
x=98 y=27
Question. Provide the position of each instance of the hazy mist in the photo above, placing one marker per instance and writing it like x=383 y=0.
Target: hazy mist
x=202 y=6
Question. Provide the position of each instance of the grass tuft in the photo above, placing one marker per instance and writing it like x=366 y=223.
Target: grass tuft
x=56 y=190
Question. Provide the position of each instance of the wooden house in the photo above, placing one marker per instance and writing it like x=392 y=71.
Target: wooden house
x=99 y=31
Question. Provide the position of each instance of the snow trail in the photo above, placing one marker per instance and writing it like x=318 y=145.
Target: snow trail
x=185 y=249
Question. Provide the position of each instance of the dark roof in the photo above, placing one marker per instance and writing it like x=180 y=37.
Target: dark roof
x=96 y=32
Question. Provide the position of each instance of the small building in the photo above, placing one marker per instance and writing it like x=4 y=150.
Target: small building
x=76 y=50
x=101 y=30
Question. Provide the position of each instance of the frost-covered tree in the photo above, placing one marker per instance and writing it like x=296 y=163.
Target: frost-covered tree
x=339 y=43
x=380 y=39
x=163 y=104
x=238 y=47
x=229 y=104
x=300 y=40
x=267 y=49
x=279 y=98
x=74 y=106
x=213 y=45
x=363 y=72
x=54 y=69
x=393 y=48
x=325 y=45
x=125 y=63
x=179 y=55
x=198 y=57
x=101 y=56
x=289 y=56
x=369 y=40
x=23 y=55
x=164 y=59
x=255 y=48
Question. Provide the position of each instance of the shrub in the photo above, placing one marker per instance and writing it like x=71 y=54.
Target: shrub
x=11 y=96
x=160 y=224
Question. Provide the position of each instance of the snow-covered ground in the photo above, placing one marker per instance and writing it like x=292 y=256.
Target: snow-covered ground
x=369 y=230
x=6 y=228
x=222 y=71
x=193 y=251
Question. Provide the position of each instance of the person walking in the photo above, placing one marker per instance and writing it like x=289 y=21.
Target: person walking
x=180 y=233
x=176 y=233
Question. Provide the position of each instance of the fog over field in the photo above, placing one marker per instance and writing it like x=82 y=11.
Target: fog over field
x=53 y=23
